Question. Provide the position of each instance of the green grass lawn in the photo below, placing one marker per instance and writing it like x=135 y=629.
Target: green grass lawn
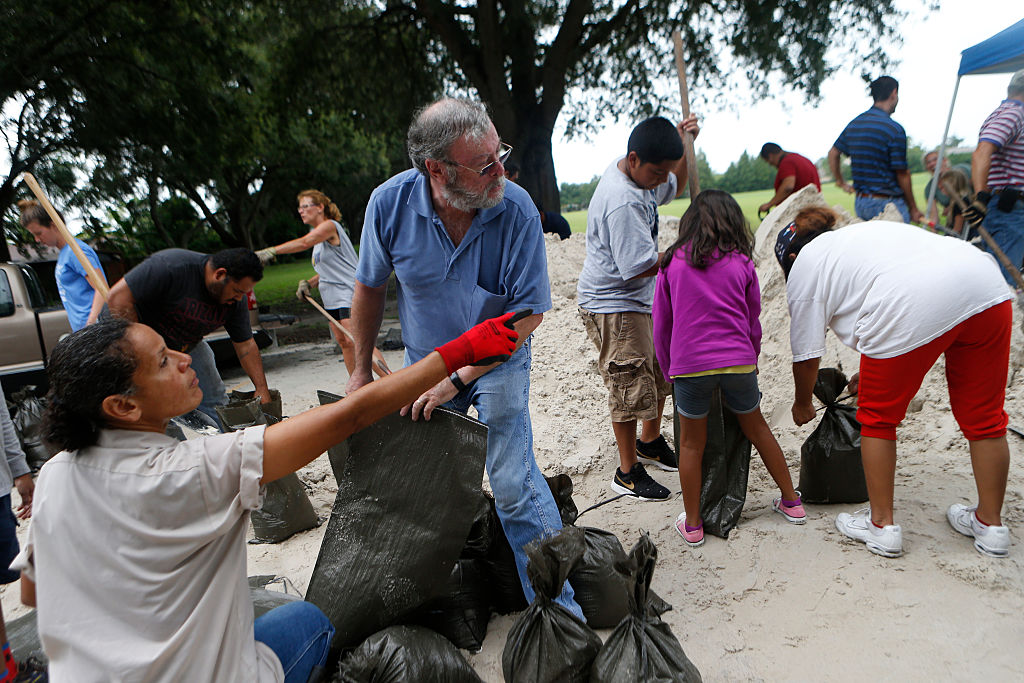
x=749 y=201
x=281 y=280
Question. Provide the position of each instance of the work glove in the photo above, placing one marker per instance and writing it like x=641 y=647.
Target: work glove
x=976 y=210
x=266 y=255
x=491 y=341
x=303 y=291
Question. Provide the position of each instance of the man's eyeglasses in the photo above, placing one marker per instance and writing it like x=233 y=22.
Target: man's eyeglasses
x=503 y=153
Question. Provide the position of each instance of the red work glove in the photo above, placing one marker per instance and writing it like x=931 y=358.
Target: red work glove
x=491 y=341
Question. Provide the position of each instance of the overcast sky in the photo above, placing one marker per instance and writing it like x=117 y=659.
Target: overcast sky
x=928 y=62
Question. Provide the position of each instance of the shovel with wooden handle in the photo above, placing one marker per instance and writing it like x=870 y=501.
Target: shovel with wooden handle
x=1013 y=270
x=98 y=282
x=381 y=366
x=693 y=177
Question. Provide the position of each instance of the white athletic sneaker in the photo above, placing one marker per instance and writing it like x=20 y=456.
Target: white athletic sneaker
x=993 y=541
x=887 y=542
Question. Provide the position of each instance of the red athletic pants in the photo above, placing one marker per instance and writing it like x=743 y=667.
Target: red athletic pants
x=977 y=359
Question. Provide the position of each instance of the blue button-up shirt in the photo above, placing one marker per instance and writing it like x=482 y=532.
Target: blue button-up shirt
x=443 y=290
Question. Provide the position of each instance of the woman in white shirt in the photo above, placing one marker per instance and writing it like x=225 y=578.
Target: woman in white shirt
x=137 y=543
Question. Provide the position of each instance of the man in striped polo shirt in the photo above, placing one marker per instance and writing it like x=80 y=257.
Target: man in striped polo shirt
x=997 y=173
x=877 y=147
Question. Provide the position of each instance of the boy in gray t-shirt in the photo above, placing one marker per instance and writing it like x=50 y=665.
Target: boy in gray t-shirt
x=616 y=289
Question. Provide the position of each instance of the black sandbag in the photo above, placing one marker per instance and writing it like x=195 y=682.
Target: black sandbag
x=642 y=647
x=602 y=582
x=26 y=408
x=405 y=654
x=286 y=511
x=600 y=579
x=831 y=470
x=724 y=469
x=337 y=453
x=286 y=508
x=547 y=643
x=240 y=413
x=462 y=613
x=263 y=600
x=481 y=531
x=23 y=635
x=272 y=408
x=561 y=490
x=487 y=542
x=403 y=511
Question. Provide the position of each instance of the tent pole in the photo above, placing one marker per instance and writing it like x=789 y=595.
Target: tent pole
x=942 y=154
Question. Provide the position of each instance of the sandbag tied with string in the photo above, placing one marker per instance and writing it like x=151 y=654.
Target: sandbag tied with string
x=642 y=647
x=547 y=642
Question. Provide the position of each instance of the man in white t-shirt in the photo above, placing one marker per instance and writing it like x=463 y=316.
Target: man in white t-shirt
x=901 y=306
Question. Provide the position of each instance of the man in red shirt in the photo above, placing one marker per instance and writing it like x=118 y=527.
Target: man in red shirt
x=795 y=172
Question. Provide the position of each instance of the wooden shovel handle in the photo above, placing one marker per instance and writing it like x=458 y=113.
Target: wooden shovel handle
x=98 y=282
x=381 y=365
x=1000 y=255
x=692 y=174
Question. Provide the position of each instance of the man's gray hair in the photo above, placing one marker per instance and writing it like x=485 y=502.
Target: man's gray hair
x=437 y=126
x=1016 y=86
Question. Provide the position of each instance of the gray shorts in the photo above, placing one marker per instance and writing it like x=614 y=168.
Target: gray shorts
x=625 y=347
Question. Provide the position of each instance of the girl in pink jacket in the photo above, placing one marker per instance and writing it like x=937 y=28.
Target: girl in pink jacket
x=707 y=334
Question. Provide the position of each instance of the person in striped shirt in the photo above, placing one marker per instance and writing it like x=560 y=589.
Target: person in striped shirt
x=877 y=147
x=997 y=173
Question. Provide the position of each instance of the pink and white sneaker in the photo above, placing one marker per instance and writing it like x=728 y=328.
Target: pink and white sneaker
x=793 y=511
x=694 y=536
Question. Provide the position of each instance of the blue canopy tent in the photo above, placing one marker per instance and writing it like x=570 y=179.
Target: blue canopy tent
x=1002 y=53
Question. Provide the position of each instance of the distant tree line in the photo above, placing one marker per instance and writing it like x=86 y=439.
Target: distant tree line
x=747 y=173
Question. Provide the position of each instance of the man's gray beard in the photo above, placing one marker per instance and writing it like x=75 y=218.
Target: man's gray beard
x=467 y=200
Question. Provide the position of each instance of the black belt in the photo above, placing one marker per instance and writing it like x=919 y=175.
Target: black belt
x=872 y=195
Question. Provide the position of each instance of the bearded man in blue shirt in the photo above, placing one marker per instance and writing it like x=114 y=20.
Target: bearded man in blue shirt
x=464 y=246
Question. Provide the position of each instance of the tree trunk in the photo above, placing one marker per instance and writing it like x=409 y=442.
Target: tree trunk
x=537 y=166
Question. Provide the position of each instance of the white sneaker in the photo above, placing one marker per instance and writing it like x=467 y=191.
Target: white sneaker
x=993 y=541
x=887 y=541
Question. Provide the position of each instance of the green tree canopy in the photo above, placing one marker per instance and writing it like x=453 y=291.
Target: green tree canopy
x=528 y=58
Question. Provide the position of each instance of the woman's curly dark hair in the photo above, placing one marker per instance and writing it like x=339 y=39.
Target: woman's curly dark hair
x=86 y=367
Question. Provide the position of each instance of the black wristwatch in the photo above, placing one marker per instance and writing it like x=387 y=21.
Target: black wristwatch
x=457 y=381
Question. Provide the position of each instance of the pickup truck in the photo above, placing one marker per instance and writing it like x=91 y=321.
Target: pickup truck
x=32 y=321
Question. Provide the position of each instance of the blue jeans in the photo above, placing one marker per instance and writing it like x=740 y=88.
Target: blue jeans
x=299 y=634
x=214 y=392
x=526 y=508
x=869 y=207
x=1007 y=229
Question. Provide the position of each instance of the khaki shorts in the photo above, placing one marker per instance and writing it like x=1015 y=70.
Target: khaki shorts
x=625 y=347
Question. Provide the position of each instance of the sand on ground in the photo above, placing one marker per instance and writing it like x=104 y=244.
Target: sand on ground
x=775 y=601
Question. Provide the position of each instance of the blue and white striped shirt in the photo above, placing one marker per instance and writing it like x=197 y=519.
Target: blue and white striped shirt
x=877 y=146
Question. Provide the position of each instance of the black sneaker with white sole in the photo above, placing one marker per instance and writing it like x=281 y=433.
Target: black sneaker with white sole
x=658 y=453
x=639 y=484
